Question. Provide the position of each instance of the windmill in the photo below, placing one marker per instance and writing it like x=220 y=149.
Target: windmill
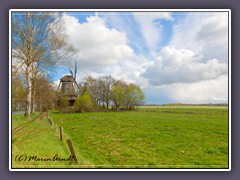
x=68 y=86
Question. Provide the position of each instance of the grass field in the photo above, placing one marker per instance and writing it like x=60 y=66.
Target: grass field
x=149 y=137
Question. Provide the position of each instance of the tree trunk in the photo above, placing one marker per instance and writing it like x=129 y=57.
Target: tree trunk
x=29 y=93
x=33 y=97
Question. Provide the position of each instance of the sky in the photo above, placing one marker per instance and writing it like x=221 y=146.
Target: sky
x=175 y=57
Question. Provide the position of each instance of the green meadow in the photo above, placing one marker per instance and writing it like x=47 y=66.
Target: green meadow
x=148 y=137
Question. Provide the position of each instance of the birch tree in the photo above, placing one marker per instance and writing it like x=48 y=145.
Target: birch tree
x=38 y=42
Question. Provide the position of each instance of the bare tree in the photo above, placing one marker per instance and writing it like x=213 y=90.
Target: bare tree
x=44 y=94
x=38 y=42
x=105 y=86
x=18 y=91
x=92 y=86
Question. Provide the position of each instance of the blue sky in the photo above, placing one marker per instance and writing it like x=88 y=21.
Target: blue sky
x=176 y=57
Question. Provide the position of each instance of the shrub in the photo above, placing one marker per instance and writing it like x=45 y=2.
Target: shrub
x=84 y=103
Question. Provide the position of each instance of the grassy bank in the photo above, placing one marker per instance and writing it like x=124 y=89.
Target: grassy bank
x=35 y=142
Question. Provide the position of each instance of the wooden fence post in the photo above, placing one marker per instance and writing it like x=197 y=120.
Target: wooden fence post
x=50 y=120
x=61 y=133
x=72 y=150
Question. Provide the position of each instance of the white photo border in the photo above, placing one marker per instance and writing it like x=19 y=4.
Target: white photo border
x=121 y=10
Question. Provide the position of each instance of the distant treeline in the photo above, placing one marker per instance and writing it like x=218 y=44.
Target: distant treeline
x=180 y=104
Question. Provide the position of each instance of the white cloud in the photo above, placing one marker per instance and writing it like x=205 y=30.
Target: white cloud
x=205 y=34
x=55 y=84
x=151 y=30
x=202 y=92
x=97 y=45
x=193 y=68
x=182 y=66
x=209 y=91
x=129 y=71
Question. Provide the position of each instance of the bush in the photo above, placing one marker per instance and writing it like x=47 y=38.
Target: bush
x=84 y=103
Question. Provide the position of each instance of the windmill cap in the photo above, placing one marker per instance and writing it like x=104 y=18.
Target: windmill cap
x=67 y=78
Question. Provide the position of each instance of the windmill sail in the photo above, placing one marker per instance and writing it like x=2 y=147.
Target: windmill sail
x=75 y=72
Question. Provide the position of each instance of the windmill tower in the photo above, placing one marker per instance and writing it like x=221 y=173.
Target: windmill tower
x=68 y=86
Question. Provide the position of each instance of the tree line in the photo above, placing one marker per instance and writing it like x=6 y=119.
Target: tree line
x=106 y=92
x=94 y=94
